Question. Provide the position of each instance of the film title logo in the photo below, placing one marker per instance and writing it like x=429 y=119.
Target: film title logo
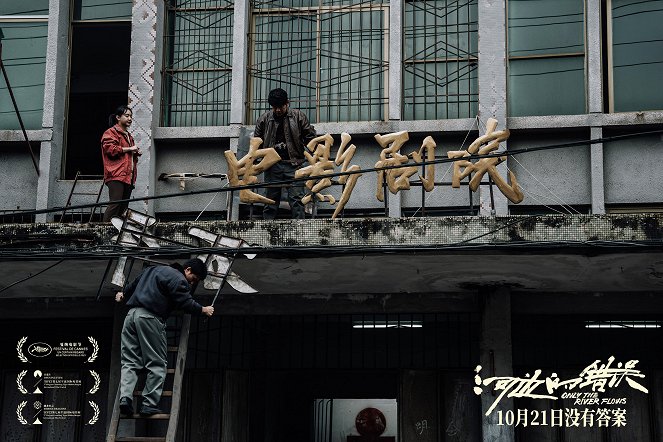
x=597 y=376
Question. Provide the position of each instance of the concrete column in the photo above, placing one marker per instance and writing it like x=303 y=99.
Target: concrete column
x=593 y=51
x=145 y=90
x=492 y=85
x=240 y=61
x=55 y=98
x=595 y=101
x=597 y=180
x=394 y=204
x=395 y=58
x=395 y=81
x=495 y=358
x=238 y=93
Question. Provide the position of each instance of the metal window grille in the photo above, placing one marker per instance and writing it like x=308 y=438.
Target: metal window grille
x=392 y=341
x=198 y=63
x=329 y=55
x=440 y=59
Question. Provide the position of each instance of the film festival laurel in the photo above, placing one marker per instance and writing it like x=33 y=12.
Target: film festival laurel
x=37 y=382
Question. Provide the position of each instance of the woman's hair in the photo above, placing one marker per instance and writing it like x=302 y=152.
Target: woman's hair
x=112 y=118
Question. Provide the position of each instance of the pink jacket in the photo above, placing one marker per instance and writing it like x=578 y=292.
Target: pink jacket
x=118 y=165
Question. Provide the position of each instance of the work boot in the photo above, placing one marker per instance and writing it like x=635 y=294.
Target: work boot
x=126 y=406
x=146 y=410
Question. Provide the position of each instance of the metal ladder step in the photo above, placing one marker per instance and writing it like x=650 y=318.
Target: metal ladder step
x=163 y=394
x=160 y=416
x=175 y=394
x=141 y=439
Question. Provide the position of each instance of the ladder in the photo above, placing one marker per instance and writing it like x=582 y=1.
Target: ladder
x=73 y=192
x=176 y=394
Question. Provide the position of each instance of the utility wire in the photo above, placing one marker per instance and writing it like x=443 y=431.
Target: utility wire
x=31 y=276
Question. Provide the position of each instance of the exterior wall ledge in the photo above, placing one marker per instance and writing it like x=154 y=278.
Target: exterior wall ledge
x=369 y=128
x=525 y=232
x=586 y=120
x=37 y=135
x=198 y=132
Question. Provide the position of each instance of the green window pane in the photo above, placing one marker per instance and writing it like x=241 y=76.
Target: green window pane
x=440 y=51
x=269 y=4
x=198 y=73
x=538 y=27
x=332 y=64
x=637 y=45
x=278 y=63
x=440 y=91
x=24 y=56
x=547 y=77
x=25 y=7
x=351 y=85
x=102 y=9
x=546 y=86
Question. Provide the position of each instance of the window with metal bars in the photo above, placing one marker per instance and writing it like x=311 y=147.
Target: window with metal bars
x=546 y=41
x=359 y=341
x=198 y=63
x=329 y=55
x=440 y=59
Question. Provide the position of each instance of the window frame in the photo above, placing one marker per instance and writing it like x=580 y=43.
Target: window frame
x=254 y=103
x=560 y=55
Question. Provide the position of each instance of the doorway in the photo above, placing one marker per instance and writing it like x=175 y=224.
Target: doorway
x=98 y=84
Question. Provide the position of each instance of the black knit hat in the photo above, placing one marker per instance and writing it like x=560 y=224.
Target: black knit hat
x=198 y=267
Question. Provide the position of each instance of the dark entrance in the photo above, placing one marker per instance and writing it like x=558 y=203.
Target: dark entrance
x=98 y=84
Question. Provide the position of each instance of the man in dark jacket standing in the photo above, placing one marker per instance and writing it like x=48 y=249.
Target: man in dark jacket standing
x=153 y=295
x=288 y=131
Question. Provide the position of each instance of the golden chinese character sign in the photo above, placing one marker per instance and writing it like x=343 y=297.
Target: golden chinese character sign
x=317 y=154
x=398 y=178
x=484 y=145
x=394 y=169
x=244 y=171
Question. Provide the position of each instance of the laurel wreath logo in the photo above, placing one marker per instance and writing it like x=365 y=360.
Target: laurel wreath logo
x=19 y=349
x=95 y=349
x=97 y=382
x=94 y=417
x=19 y=412
x=19 y=382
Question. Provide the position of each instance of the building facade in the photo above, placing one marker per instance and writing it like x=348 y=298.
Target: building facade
x=568 y=276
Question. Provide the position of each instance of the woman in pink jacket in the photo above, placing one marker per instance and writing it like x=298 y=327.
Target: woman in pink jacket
x=120 y=156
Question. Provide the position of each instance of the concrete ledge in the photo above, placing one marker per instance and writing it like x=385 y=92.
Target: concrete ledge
x=461 y=231
x=38 y=135
x=363 y=262
x=631 y=119
x=462 y=125
x=195 y=133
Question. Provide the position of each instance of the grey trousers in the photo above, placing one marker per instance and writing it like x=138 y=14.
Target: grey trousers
x=279 y=172
x=143 y=346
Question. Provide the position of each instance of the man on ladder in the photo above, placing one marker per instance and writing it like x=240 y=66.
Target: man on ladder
x=152 y=296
